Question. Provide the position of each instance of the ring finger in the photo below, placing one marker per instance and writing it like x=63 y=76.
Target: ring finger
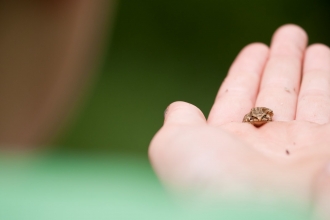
x=314 y=96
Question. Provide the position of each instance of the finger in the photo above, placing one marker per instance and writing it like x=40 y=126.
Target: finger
x=314 y=95
x=237 y=94
x=322 y=196
x=183 y=113
x=281 y=79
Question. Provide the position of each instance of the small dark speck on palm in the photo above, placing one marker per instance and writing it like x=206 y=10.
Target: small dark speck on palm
x=287 y=152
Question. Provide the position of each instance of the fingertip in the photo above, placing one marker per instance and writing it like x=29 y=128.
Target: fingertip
x=292 y=29
x=289 y=39
x=256 y=50
x=180 y=112
x=256 y=47
x=317 y=58
x=318 y=49
x=254 y=53
x=319 y=46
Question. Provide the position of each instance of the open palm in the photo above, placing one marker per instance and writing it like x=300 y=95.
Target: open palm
x=222 y=155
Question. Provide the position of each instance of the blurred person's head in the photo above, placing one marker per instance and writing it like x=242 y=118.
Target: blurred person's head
x=47 y=53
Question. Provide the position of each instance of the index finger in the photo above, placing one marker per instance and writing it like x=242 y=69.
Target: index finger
x=238 y=92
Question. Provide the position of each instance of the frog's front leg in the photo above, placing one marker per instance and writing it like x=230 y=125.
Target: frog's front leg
x=247 y=118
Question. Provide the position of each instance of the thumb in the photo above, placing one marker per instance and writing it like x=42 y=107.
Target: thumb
x=183 y=113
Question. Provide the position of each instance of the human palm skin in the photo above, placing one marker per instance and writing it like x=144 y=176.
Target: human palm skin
x=283 y=158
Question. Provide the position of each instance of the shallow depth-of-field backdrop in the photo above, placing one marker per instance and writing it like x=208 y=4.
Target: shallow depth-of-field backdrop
x=162 y=51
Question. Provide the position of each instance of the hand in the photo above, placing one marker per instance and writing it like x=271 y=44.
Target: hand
x=321 y=195
x=223 y=156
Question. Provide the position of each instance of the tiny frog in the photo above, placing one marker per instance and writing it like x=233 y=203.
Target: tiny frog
x=259 y=116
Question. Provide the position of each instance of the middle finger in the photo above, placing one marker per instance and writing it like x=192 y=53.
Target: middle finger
x=281 y=80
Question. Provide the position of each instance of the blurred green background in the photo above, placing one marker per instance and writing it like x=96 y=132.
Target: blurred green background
x=168 y=50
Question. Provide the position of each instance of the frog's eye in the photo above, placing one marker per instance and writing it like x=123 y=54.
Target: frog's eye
x=253 y=118
x=265 y=118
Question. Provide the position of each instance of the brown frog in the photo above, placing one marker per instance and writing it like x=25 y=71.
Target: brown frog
x=259 y=116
